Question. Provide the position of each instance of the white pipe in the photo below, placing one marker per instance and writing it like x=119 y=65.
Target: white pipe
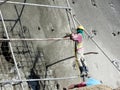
x=38 y=5
x=44 y=79
x=33 y=39
x=11 y=48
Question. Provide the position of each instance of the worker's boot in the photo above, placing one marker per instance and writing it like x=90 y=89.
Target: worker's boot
x=85 y=70
x=82 y=71
x=83 y=74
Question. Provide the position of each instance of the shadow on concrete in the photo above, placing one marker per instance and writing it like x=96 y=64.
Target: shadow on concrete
x=33 y=84
x=59 y=61
x=87 y=53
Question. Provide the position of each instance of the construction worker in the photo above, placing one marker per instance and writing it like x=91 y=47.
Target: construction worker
x=78 y=38
x=89 y=82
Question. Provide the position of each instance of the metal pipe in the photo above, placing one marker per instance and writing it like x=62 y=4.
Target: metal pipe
x=33 y=39
x=44 y=79
x=19 y=15
x=11 y=48
x=38 y=5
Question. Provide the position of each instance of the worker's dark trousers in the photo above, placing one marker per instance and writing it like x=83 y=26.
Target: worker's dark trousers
x=83 y=69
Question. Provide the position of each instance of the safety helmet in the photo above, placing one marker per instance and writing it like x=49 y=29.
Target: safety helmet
x=80 y=27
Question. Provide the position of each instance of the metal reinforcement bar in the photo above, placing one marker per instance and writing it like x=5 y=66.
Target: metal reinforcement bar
x=38 y=5
x=44 y=79
x=11 y=49
x=33 y=39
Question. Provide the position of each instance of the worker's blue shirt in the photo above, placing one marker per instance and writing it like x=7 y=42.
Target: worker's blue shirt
x=92 y=81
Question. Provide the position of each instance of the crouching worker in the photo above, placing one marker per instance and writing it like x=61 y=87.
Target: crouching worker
x=89 y=82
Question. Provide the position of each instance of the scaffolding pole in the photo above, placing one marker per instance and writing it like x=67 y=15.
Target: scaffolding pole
x=34 y=39
x=38 y=5
x=44 y=79
x=11 y=49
